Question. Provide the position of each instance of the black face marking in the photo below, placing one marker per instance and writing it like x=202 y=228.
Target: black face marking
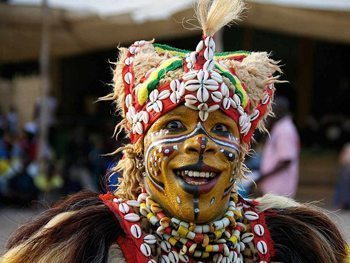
x=227 y=190
x=196 y=207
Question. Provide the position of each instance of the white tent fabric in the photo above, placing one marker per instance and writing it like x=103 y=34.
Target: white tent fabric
x=140 y=11
x=86 y=25
x=155 y=9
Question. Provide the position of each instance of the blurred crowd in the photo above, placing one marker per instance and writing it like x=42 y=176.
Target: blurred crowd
x=23 y=178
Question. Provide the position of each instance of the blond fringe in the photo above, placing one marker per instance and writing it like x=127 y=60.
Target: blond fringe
x=57 y=254
x=131 y=182
x=270 y=201
x=213 y=15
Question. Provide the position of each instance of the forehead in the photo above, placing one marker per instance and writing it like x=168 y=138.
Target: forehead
x=191 y=117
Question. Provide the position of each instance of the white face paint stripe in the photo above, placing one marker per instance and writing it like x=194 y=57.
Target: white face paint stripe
x=184 y=137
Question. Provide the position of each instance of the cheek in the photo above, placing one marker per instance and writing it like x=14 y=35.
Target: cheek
x=156 y=155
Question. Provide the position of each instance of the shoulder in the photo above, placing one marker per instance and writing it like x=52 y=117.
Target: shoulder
x=301 y=233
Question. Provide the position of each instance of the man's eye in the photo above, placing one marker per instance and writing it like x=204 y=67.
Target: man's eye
x=221 y=128
x=175 y=126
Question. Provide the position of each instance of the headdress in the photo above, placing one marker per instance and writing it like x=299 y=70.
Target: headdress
x=152 y=79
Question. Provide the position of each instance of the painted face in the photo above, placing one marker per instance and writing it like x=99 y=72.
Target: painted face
x=190 y=164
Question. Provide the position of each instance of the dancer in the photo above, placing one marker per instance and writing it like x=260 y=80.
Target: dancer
x=190 y=116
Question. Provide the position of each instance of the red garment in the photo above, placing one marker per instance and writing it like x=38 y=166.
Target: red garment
x=131 y=246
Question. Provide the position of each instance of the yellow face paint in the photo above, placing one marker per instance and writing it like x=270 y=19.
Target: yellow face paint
x=190 y=164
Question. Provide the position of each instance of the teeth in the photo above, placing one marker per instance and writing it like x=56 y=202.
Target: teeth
x=196 y=174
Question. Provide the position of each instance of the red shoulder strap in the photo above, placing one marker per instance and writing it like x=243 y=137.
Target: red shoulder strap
x=129 y=245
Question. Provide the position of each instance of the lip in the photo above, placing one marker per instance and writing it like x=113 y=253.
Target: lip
x=202 y=176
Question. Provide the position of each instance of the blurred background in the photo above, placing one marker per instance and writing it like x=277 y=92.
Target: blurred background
x=55 y=62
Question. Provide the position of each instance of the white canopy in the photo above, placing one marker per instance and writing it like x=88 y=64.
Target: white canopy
x=85 y=25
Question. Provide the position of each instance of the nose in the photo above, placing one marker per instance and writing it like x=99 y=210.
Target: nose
x=200 y=144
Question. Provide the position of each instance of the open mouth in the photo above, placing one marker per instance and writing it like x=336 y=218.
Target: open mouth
x=197 y=178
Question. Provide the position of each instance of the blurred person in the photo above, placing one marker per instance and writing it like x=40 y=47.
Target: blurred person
x=177 y=198
x=50 y=183
x=342 y=190
x=51 y=105
x=12 y=121
x=280 y=156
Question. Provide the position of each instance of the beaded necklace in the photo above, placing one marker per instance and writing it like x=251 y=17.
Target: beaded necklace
x=240 y=234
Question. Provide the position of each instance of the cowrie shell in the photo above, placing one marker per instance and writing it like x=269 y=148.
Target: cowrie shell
x=240 y=110
x=132 y=217
x=193 y=57
x=145 y=249
x=262 y=247
x=199 y=47
x=189 y=75
x=203 y=115
x=150 y=239
x=128 y=61
x=226 y=103
x=259 y=230
x=237 y=99
x=160 y=230
x=124 y=208
x=241 y=120
x=165 y=246
x=254 y=115
x=117 y=200
x=208 y=53
x=216 y=76
x=133 y=203
x=142 y=197
x=209 y=65
x=184 y=258
x=233 y=103
x=226 y=250
x=218 y=258
x=136 y=231
x=164 y=259
x=133 y=50
x=192 y=248
x=251 y=215
x=202 y=95
x=247 y=237
x=246 y=127
x=152 y=261
x=265 y=99
x=209 y=42
x=216 y=96
x=183 y=250
x=128 y=77
x=173 y=257
x=241 y=244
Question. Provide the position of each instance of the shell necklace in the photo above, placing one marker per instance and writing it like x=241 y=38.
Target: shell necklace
x=223 y=240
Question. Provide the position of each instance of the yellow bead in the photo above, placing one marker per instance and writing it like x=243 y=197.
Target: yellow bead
x=149 y=215
x=205 y=255
x=172 y=241
x=209 y=248
x=233 y=239
x=182 y=231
